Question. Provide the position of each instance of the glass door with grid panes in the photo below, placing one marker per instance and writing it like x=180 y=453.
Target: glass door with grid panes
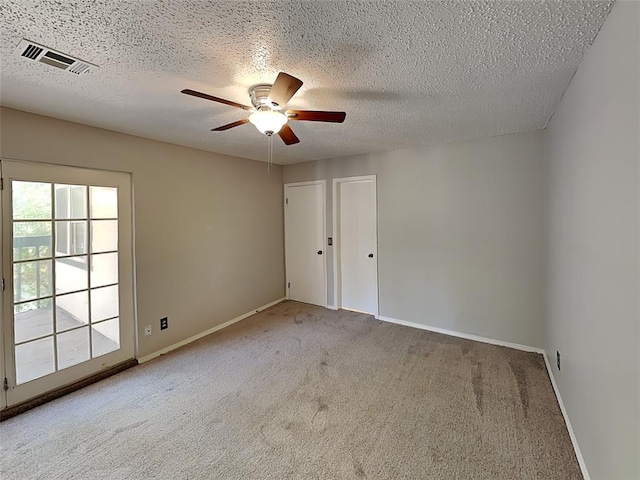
x=68 y=275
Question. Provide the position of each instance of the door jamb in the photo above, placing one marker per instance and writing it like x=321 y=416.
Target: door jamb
x=337 y=291
x=3 y=366
x=324 y=232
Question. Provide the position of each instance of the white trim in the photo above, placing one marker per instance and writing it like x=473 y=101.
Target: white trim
x=572 y=435
x=477 y=338
x=334 y=242
x=186 y=341
x=3 y=334
x=304 y=184
x=136 y=339
x=332 y=307
x=357 y=178
x=323 y=183
x=337 y=295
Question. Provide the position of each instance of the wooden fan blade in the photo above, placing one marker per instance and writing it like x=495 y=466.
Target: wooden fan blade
x=287 y=135
x=284 y=88
x=316 y=116
x=230 y=125
x=214 y=99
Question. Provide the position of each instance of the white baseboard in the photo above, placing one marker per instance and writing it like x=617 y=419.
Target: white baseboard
x=153 y=355
x=332 y=307
x=526 y=348
x=453 y=333
x=572 y=435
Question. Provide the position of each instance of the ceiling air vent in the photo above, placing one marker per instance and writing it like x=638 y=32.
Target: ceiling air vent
x=40 y=53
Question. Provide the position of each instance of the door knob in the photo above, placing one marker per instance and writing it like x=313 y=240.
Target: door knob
x=319 y=252
x=371 y=255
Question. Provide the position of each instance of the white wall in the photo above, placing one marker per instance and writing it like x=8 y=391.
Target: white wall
x=594 y=244
x=461 y=232
x=208 y=228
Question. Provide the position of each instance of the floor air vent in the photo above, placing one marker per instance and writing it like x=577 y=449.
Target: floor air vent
x=40 y=53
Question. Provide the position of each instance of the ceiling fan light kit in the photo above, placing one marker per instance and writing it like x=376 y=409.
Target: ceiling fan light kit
x=268 y=101
x=268 y=121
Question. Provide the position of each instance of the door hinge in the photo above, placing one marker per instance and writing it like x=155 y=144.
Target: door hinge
x=1 y=183
x=289 y=285
x=6 y=384
x=3 y=284
x=286 y=200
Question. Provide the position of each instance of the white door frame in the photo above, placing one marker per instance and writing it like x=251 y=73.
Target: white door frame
x=337 y=290
x=323 y=183
x=52 y=173
x=3 y=366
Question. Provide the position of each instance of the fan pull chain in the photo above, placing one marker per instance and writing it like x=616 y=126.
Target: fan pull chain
x=270 y=157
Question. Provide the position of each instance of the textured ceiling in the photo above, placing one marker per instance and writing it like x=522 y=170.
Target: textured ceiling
x=406 y=73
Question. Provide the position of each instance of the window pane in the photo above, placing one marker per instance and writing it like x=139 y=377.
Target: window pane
x=31 y=280
x=31 y=240
x=104 y=202
x=104 y=303
x=105 y=337
x=73 y=347
x=71 y=274
x=104 y=269
x=71 y=201
x=104 y=236
x=72 y=310
x=32 y=320
x=34 y=360
x=31 y=200
x=71 y=238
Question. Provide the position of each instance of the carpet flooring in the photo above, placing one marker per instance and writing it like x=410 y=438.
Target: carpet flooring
x=301 y=392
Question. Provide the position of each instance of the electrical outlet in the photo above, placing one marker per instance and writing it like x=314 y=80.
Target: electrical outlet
x=164 y=323
x=558 y=359
x=147 y=330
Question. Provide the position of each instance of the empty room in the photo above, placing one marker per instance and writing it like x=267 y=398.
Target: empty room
x=320 y=239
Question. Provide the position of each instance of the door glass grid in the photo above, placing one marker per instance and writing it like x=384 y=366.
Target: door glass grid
x=65 y=275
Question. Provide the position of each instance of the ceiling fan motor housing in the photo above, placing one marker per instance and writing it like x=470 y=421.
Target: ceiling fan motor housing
x=260 y=97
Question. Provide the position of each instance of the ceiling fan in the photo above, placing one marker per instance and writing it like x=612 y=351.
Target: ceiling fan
x=268 y=101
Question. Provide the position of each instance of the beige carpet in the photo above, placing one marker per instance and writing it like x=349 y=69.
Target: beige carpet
x=301 y=392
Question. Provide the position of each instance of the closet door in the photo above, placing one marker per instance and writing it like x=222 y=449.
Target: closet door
x=304 y=242
x=357 y=247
